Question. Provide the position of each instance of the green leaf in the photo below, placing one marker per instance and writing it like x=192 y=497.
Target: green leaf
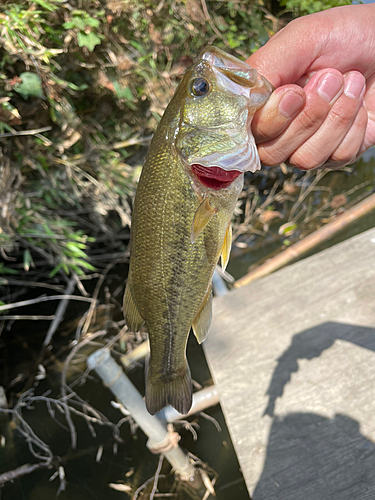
x=85 y=264
x=91 y=21
x=124 y=93
x=31 y=85
x=46 y=5
x=68 y=25
x=55 y=270
x=89 y=40
x=79 y=23
x=27 y=260
x=7 y=270
x=287 y=228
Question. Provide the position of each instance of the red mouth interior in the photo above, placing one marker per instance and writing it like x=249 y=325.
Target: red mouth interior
x=214 y=177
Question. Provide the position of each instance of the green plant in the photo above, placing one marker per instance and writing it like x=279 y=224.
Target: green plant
x=85 y=27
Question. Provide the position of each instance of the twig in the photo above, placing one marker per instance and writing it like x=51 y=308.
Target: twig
x=14 y=318
x=131 y=142
x=37 y=447
x=11 y=281
x=165 y=495
x=43 y=298
x=211 y=419
x=311 y=241
x=189 y=426
x=43 y=452
x=155 y=485
x=96 y=293
x=60 y=311
x=143 y=486
x=20 y=471
x=208 y=484
x=65 y=387
x=26 y=132
x=211 y=23
x=80 y=287
x=307 y=191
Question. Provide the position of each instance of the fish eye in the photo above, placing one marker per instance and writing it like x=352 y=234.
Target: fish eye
x=199 y=87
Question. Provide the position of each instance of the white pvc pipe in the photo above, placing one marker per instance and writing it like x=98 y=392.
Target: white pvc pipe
x=218 y=285
x=137 y=354
x=114 y=378
x=201 y=400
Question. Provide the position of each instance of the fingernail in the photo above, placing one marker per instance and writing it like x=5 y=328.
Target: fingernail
x=329 y=86
x=290 y=104
x=354 y=85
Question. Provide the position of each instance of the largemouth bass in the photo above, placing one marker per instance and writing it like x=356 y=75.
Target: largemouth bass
x=183 y=206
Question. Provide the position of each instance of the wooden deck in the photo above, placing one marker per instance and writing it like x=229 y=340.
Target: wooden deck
x=293 y=357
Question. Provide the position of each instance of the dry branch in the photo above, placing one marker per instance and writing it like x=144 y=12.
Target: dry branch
x=20 y=471
x=43 y=298
x=60 y=311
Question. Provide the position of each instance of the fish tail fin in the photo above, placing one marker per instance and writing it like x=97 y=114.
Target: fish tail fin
x=175 y=390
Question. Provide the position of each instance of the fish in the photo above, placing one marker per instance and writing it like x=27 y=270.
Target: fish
x=181 y=222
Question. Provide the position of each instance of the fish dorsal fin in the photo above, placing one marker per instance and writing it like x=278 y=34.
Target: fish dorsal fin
x=202 y=217
x=227 y=245
x=132 y=316
x=202 y=320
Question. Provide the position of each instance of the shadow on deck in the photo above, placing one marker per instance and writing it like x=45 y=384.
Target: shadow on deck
x=309 y=456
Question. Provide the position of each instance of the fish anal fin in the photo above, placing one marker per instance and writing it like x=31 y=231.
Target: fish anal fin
x=202 y=320
x=175 y=390
x=132 y=316
x=227 y=245
x=202 y=217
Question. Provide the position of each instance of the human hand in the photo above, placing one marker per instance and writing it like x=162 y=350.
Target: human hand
x=323 y=109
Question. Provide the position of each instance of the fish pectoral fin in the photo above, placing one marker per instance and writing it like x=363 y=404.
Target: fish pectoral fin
x=175 y=390
x=202 y=217
x=132 y=316
x=227 y=246
x=202 y=320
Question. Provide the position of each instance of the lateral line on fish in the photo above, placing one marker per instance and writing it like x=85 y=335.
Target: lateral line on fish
x=169 y=358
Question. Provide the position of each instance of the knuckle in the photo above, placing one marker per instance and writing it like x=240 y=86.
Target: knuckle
x=311 y=119
x=306 y=160
x=342 y=116
x=270 y=157
x=303 y=162
x=343 y=156
x=307 y=157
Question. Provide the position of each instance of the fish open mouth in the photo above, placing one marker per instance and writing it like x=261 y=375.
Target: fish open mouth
x=214 y=177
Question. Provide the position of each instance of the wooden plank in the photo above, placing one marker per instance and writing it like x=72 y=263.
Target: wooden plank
x=293 y=357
